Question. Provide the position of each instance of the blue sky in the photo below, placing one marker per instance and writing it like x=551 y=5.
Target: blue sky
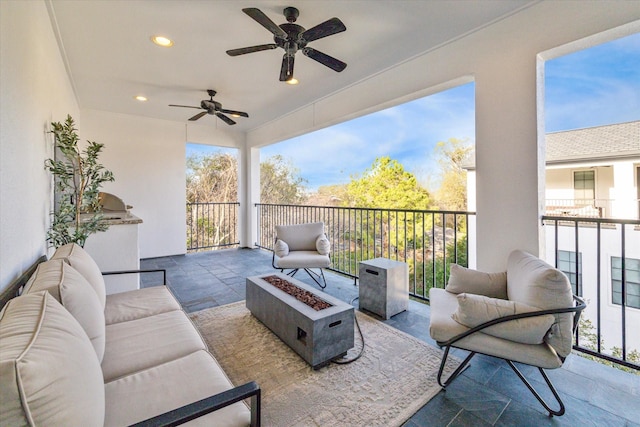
x=592 y=87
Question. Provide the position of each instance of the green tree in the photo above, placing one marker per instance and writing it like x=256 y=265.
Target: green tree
x=280 y=182
x=387 y=185
x=78 y=178
x=452 y=194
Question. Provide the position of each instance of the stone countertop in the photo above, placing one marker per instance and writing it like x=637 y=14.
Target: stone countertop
x=120 y=218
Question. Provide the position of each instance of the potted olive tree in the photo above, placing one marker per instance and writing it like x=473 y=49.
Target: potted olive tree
x=78 y=177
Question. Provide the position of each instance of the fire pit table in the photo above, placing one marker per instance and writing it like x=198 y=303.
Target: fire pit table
x=319 y=329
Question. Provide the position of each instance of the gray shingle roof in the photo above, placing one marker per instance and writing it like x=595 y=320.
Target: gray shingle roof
x=620 y=140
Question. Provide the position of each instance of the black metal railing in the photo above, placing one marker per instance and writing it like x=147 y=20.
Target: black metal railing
x=603 y=266
x=428 y=241
x=212 y=225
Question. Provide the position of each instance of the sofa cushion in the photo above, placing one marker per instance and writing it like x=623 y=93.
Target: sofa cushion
x=145 y=302
x=474 y=310
x=168 y=386
x=442 y=328
x=79 y=259
x=139 y=344
x=300 y=237
x=73 y=291
x=49 y=372
x=462 y=279
x=533 y=282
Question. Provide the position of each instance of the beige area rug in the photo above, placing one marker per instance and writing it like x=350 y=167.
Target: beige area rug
x=393 y=379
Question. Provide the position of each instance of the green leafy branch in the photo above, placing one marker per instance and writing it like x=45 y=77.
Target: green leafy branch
x=78 y=178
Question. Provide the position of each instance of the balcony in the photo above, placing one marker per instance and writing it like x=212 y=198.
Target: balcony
x=590 y=208
x=487 y=393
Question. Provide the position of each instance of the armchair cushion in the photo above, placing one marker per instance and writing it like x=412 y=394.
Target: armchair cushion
x=281 y=248
x=474 y=310
x=300 y=237
x=533 y=282
x=73 y=291
x=322 y=245
x=461 y=279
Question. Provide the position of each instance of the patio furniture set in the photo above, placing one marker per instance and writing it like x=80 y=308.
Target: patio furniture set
x=72 y=355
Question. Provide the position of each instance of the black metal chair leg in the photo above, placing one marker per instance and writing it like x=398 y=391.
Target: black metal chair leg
x=455 y=373
x=316 y=276
x=535 y=393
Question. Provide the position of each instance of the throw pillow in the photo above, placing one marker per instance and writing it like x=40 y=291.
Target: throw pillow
x=534 y=282
x=73 y=291
x=281 y=248
x=322 y=245
x=80 y=260
x=474 y=310
x=463 y=279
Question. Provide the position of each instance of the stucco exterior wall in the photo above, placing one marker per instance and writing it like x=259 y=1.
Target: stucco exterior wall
x=34 y=91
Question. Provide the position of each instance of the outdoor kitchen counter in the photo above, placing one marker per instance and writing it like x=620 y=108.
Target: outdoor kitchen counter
x=117 y=249
x=122 y=219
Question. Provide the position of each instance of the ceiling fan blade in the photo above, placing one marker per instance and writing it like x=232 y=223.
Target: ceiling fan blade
x=327 y=28
x=197 y=116
x=234 y=113
x=264 y=20
x=184 y=106
x=324 y=59
x=286 y=71
x=251 y=49
x=226 y=119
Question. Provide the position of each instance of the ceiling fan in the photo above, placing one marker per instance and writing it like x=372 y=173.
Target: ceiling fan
x=292 y=37
x=213 y=107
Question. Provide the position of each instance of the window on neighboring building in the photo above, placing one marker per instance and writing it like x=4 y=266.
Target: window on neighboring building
x=632 y=287
x=568 y=265
x=584 y=187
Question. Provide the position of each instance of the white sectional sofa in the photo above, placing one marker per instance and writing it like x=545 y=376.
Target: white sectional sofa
x=72 y=356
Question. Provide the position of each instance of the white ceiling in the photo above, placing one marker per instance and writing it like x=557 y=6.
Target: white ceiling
x=111 y=59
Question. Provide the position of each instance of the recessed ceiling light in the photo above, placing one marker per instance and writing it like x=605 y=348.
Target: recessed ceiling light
x=162 y=41
x=293 y=81
x=140 y=98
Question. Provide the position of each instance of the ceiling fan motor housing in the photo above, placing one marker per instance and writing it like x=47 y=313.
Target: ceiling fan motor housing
x=291 y=13
x=293 y=42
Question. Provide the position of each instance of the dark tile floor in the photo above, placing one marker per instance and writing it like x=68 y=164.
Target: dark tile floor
x=487 y=393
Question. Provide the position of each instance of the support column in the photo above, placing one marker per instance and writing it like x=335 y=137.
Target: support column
x=509 y=160
x=623 y=192
x=249 y=195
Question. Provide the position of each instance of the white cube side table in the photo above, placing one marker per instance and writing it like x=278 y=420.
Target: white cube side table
x=384 y=286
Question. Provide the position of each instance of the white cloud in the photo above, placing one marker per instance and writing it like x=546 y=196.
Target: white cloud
x=407 y=133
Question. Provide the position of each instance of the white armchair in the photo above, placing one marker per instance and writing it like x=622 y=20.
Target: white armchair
x=302 y=246
x=527 y=314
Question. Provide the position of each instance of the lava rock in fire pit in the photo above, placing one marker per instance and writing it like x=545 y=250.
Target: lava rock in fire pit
x=300 y=294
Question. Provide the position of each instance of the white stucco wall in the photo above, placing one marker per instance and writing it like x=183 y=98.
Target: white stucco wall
x=34 y=91
x=147 y=158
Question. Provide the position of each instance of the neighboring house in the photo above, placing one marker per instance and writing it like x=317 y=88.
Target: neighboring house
x=595 y=173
